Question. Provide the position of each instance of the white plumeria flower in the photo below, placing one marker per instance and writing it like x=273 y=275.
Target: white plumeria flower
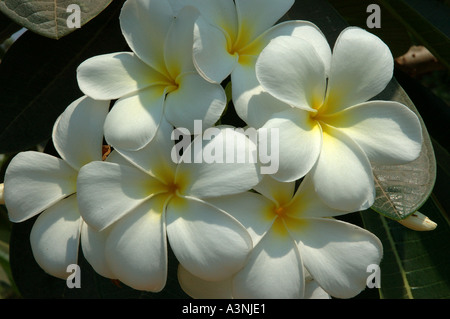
x=332 y=129
x=228 y=37
x=141 y=197
x=202 y=289
x=158 y=79
x=291 y=233
x=41 y=183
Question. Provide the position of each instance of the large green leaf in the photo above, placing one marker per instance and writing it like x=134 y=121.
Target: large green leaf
x=38 y=78
x=49 y=18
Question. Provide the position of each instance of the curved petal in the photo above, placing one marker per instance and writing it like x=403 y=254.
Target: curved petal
x=210 y=164
x=252 y=103
x=136 y=249
x=361 y=67
x=307 y=203
x=122 y=189
x=55 y=237
x=314 y=291
x=155 y=158
x=254 y=22
x=133 y=120
x=78 y=133
x=195 y=99
x=253 y=211
x=93 y=245
x=112 y=76
x=34 y=182
x=179 y=42
x=212 y=52
x=290 y=69
x=343 y=176
x=278 y=192
x=387 y=131
x=198 y=288
x=145 y=25
x=274 y=269
x=300 y=140
x=337 y=255
x=209 y=243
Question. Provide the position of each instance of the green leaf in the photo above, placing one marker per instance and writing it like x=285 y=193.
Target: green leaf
x=38 y=78
x=49 y=18
x=415 y=264
x=7 y=28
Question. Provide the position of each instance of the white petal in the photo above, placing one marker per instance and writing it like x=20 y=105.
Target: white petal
x=145 y=25
x=112 y=76
x=133 y=120
x=209 y=167
x=55 y=237
x=387 y=131
x=212 y=57
x=307 y=203
x=290 y=69
x=202 y=289
x=254 y=22
x=274 y=270
x=337 y=255
x=93 y=244
x=108 y=191
x=361 y=67
x=252 y=103
x=136 y=248
x=343 y=175
x=314 y=291
x=209 y=243
x=195 y=99
x=78 y=133
x=179 y=42
x=155 y=158
x=279 y=192
x=253 y=211
x=35 y=181
x=300 y=140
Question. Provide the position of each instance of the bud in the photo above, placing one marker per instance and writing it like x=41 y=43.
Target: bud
x=2 y=192
x=418 y=221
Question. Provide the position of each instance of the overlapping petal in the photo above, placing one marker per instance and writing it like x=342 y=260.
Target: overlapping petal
x=343 y=175
x=134 y=119
x=274 y=269
x=200 y=170
x=55 y=237
x=337 y=255
x=361 y=67
x=387 y=131
x=290 y=69
x=136 y=248
x=195 y=99
x=208 y=242
x=145 y=25
x=78 y=133
x=111 y=76
x=299 y=138
x=35 y=181
x=108 y=191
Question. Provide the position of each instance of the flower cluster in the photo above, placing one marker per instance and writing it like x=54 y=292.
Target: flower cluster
x=236 y=230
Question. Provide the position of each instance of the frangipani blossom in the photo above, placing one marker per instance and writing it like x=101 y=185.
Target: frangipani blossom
x=294 y=237
x=143 y=198
x=228 y=37
x=157 y=79
x=332 y=129
x=39 y=183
